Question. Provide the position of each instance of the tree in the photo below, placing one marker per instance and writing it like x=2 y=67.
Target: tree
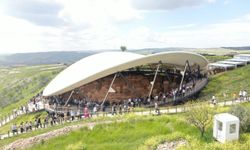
x=123 y=48
x=200 y=116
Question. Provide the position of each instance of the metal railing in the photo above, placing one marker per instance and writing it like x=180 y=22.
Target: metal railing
x=149 y=111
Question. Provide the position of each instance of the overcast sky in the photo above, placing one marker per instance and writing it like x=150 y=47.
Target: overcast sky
x=53 y=25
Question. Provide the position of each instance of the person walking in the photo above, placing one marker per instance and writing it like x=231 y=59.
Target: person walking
x=241 y=95
x=86 y=112
x=157 y=110
x=30 y=126
x=120 y=109
x=14 y=129
x=214 y=100
x=21 y=127
x=113 y=109
x=244 y=93
x=94 y=110
x=26 y=126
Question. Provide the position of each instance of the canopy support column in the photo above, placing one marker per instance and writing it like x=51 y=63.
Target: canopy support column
x=56 y=99
x=109 y=90
x=184 y=72
x=153 y=82
x=69 y=98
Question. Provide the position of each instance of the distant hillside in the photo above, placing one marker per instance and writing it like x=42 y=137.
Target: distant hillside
x=62 y=57
x=158 y=50
x=19 y=84
x=42 y=58
x=238 y=48
x=68 y=57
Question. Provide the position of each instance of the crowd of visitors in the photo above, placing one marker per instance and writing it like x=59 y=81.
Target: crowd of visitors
x=242 y=96
x=92 y=108
x=34 y=104
x=74 y=109
x=26 y=126
x=53 y=118
x=58 y=104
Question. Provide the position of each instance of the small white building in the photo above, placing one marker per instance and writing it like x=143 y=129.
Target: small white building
x=226 y=127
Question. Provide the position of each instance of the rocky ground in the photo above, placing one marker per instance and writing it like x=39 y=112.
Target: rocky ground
x=171 y=145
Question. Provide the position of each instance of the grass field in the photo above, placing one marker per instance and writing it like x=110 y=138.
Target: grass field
x=219 y=51
x=216 y=58
x=225 y=84
x=142 y=133
x=50 y=128
x=19 y=84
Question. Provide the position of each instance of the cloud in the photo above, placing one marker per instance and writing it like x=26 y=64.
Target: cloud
x=17 y=35
x=88 y=12
x=97 y=12
x=95 y=24
x=185 y=26
x=40 y=12
x=234 y=32
x=68 y=13
x=167 y=4
x=226 y=2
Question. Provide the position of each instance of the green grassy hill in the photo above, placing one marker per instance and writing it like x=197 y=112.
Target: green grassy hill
x=147 y=132
x=141 y=133
x=215 y=58
x=19 y=84
x=136 y=132
x=225 y=84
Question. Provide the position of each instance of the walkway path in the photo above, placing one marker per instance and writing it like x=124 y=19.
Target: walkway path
x=184 y=108
x=41 y=106
x=65 y=130
x=27 y=142
x=18 y=112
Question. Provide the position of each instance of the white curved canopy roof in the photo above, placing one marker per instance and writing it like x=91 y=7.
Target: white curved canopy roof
x=103 y=64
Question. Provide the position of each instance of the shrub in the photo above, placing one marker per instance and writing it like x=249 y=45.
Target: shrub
x=200 y=116
x=243 y=113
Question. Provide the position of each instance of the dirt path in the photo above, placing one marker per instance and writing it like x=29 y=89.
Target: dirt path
x=27 y=142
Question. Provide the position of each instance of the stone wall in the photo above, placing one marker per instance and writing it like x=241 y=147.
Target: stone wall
x=129 y=86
